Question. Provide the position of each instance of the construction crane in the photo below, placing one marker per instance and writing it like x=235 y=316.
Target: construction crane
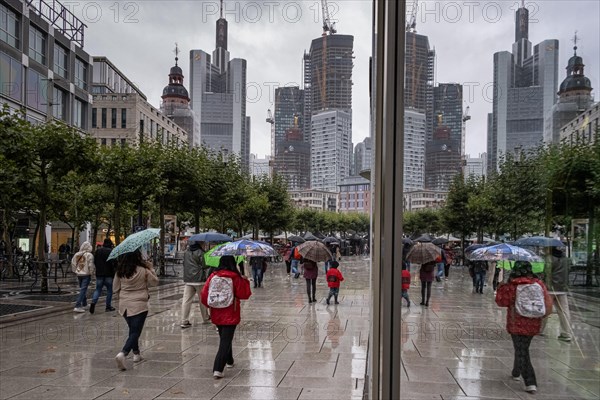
x=466 y=117
x=271 y=121
x=411 y=21
x=328 y=26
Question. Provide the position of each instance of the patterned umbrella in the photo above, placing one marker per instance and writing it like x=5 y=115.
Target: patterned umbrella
x=134 y=242
x=315 y=251
x=213 y=261
x=209 y=237
x=248 y=248
x=502 y=251
x=423 y=252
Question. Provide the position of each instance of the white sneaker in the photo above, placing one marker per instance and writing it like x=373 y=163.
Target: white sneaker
x=79 y=309
x=516 y=378
x=229 y=365
x=137 y=358
x=531 y=389
x=218 y=375
x=120 y=359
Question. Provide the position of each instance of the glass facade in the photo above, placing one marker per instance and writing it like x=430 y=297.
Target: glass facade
x=37 y=91
x=61 y=60
x=80 y=74
x=11 y=77
x=9 y=27
x=59 y=104
x=37 y=45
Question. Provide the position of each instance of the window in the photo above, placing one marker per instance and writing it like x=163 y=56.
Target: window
x=79 y=114
x=61 y=60
x=11 y=77
x=113 y=142
x=37 y=44
x=9 y=27
x=123 y=118
x=80 y=74
x=59 y=104
x=94 y=117
x=37 y=91
x=123 y=142
x=113 y=118
x=103 y=141
x=104 y=118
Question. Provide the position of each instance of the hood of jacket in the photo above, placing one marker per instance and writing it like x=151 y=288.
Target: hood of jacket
x=523 y=280
x=85 y=247
x=227 y=274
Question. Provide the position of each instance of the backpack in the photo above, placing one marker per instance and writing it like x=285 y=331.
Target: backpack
x=530 y=301
x=332 y=278
x=220 y=292
x=297 y=255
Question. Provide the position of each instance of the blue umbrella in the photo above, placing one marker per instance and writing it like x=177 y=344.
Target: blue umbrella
x=209 y=237
x=134 y=242
x=502 y=251
x=248 y=248
x=539 y=241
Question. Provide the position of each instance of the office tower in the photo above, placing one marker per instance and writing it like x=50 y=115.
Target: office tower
x=328 y=102
x=176 y=105
x=475 y=167
x=414 y=150
x=330 y=150
x=218 y=97
x=419 y=77
x=363 y=156
x=44 y=70
x=574 y=97
x=525 y=83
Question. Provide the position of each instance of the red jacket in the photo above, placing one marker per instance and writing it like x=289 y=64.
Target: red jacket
x=515 y=323
x=241 y=291
x=334 y=272
x=405 y=280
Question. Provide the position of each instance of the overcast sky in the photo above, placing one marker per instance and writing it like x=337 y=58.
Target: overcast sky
x=139 y=38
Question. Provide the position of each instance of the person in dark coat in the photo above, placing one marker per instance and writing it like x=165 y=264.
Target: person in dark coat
x=558 y=286
x=426 y=275
x=105 y=272
x=226 y=319
x=521 y=329
x=311 y=272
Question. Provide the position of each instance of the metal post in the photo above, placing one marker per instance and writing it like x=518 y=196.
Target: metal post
x=385 y=350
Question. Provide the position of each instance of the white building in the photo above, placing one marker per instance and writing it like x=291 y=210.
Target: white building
x=476 y=166
x=414 y=150
x=423 y=199
x=260 y=166
x=584 y=127
x=331 y=149
x=320 y=200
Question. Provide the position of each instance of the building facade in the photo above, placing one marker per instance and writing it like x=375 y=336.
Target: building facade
x=260 y=167
x=331 y=149
x=424 y=199
x=584 y=128
x=414 y=150
x=475 y=167
x=355 y=195
x=218 y=97
x=419 y=77
x=444 y=161
x=320 y=200
x=574 y=97
x=363 y=156
x=43 y=67
x=122 y=115
x=524 y=91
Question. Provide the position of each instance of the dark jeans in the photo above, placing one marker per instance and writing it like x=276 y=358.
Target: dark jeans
x=334 y=291
x=135 y=324
x=446 y=270
x=425 y=286
x=288 y=266
x=257 y=274
x=405 y=296
x=84 y=282
x=522 y=365
x=479 y=281
x=103 y=281
x=311 y=288
x=495 y=282
x=225 y=352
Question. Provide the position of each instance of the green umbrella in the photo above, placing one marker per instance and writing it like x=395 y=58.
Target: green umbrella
x=213 y=261
x=134 y=242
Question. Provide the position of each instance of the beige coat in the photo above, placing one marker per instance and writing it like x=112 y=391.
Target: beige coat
x=133 y=292
x=82 y=263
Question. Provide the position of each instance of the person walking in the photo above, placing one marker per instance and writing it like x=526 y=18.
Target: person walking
x=516 y=297
x=105 y=272
x=195 y=273
x=479 y=270
x=440 y=266
x=133 y=278
x=311 y=272
x=558 y=285
x=230 y=285
x=426 y=275
x=448 y=255
x=83 y=266
x=259 y=267
x=405 y=282
x=295 y=257
x=334 y=277
x=287 y=257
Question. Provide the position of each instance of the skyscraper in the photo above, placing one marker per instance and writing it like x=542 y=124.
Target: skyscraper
x=414 y=150
x=419 y=77
x=525 y=83
x=176 y=105
x=218 y=97
x=328 y=93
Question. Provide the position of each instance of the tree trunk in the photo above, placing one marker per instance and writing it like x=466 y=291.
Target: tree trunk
x=117 y=217
x=589 y=278
x=42 y=248
x=6 y=238
x=196 y=221
x=161 y=250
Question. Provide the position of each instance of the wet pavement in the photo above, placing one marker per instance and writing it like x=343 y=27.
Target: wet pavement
x=287 y=349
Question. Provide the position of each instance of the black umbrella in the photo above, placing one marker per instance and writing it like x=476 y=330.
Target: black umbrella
x=407 y=241
x=539 y=241
x=330 y=239
x=474 y=247
x=425 y=238
x=296 y=238
x=309 y=236
x=440 y=240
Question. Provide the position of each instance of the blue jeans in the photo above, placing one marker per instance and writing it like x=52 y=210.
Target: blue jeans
x=106 y=281
x=440 y=270
x=84 y=282
x=135 y=324
x=405 y=296
x=479 y=280
x=257 y=274
x=295 y=266
x=334 y=291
